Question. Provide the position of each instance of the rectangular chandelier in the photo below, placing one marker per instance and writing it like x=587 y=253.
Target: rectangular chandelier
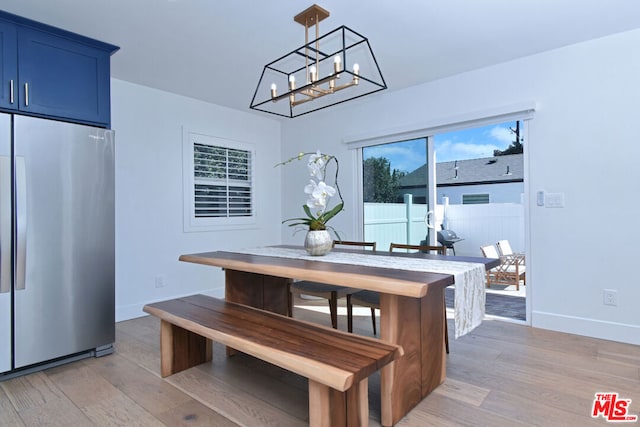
x=329 y=70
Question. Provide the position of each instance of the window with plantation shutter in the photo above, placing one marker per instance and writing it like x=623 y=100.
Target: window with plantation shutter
x=222 y=180
x=220 y=185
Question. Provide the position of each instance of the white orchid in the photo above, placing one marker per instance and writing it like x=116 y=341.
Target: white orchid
x=316 y=165
x=319 y=192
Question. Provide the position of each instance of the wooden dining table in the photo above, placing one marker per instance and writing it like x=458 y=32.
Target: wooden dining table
x=411 y=309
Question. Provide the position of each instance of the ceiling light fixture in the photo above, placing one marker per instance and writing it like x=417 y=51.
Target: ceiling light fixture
x=337 y=67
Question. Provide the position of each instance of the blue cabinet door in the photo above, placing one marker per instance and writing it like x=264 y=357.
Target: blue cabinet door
x=64 y=78
x=8 y=66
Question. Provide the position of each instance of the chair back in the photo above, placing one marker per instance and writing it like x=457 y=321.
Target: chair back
x=362 y=245
x=504 y=248
x=489 y=251
x=440 y=250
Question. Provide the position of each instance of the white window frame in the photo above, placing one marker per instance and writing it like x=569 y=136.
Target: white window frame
x=193 y=223
x=523 y=111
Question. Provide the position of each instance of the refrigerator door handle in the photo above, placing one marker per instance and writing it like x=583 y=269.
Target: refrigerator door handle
x=21 y=222
x=5 y=224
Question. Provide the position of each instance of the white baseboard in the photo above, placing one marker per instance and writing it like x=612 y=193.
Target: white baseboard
x=613 y=331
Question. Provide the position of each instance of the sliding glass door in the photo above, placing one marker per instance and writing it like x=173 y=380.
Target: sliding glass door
x=398 y=187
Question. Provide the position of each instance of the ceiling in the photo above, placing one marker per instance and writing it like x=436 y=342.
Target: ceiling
x=215 y=50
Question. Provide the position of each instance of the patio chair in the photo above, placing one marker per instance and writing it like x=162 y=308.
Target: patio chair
x=504 y=248
x=510 y=271
x=323 y=290
x=371 y=299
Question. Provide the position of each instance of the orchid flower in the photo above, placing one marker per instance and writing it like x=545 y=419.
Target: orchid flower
x=317 y=165
x=319 y=194
x=318 y=191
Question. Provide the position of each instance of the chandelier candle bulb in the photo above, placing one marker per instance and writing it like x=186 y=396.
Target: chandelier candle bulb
x=313 y=73
x=292 y=86
x=337 y=66
x=356 y=72
x=274 y=92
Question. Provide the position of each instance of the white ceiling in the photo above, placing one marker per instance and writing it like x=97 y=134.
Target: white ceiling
x=214 y=50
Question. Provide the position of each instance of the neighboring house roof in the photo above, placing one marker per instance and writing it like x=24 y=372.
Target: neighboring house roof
x=488 y=170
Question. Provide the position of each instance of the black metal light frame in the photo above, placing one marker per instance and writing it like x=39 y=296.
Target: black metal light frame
x=349 y=45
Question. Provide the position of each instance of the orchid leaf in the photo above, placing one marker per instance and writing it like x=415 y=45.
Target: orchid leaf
x=333 y=212
x=307 y=210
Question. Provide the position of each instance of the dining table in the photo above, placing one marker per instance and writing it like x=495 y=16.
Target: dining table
x=412 y=309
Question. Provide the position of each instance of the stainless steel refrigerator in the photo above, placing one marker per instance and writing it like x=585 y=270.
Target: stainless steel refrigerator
x=57 y=243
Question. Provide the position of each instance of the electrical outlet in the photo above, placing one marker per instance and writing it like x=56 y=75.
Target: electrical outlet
x=610 y=297
x=159 y=282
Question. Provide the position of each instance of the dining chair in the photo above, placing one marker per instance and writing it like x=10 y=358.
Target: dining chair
x=371 y=299
x=323 y=290
x=440 y=250
x=511 y=269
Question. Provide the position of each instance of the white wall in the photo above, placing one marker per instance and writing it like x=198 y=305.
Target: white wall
x=149 y=193
x=583 y=137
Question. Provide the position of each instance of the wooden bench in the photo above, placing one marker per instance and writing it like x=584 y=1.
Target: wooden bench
x=336 y=363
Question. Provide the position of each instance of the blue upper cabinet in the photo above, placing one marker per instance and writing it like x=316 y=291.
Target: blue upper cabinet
x=63 y=78
x=8 y=65
x=49 y=72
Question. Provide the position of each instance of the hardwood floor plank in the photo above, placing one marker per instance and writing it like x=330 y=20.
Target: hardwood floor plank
x=56 y=412
x=194 y=414
x=463 y=391
x=282 y=389
x=234 y=403
x=31 y=391
x=102 y=402
x=139 y=352
x=149 y=390
x=81 y=384
x=8 y=414
x=533 y=412
x=501 y=374
x=440 y=409
x=38 y=402
x=120 y=411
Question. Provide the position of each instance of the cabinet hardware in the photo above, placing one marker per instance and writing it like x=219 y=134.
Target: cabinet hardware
x=26 y=94
x=11 y=91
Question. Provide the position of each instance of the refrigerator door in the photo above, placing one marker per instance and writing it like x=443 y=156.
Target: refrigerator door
x=5 y=243
x=65 y=239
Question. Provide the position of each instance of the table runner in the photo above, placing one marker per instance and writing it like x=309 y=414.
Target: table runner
x=469 y=301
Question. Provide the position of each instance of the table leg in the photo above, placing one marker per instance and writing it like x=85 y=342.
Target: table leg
x=257 y=290
x=264 y=292
x=418 y=326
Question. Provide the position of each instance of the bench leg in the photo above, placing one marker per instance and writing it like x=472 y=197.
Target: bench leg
x=332 y=408
x=181 y=349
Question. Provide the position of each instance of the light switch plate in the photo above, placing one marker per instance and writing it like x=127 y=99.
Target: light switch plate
x=554 y=200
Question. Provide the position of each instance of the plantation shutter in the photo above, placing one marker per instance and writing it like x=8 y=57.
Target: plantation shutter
x=222 y=181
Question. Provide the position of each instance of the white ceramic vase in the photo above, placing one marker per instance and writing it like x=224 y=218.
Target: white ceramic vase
x=318 y=242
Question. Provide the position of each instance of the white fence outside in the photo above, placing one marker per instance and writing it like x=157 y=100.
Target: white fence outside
x=477 y=224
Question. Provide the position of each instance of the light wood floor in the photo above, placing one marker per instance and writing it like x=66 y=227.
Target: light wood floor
x=502 y=374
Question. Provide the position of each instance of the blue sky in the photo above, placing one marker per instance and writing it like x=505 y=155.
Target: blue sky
x=460 y=145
